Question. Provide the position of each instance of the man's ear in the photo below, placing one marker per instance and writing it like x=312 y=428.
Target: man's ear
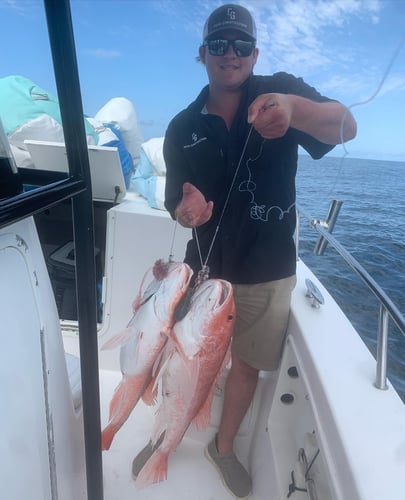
x=255 y=55
x=201 y=53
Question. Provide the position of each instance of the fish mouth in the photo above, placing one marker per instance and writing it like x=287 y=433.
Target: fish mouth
x=189 y=274
x=179 y=275
x=226 y=290
x=212 y=294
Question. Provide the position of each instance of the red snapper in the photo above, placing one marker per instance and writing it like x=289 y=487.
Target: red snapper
x=144 y=338
x=191 y=363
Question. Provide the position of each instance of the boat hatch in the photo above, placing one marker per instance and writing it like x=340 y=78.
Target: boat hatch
x=42 y=412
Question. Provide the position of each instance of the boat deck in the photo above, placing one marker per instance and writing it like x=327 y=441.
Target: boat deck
x=322 y=399
x=190 y=475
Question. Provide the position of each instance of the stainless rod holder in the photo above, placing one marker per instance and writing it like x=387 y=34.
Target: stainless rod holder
x=382 y=349
x=388 y=310
x=297 y=234
x=331 y=218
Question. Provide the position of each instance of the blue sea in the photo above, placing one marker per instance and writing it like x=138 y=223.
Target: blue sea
x=371 y=225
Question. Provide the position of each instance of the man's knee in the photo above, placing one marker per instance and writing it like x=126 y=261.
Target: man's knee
x=243 y=368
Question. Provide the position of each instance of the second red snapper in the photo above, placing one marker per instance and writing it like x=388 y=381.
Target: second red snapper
x=144 y=338
x=192 y=361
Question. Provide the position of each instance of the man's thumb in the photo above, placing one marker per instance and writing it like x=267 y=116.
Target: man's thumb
x=188 y=189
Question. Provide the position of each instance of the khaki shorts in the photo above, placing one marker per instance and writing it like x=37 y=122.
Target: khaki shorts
x=262 y=312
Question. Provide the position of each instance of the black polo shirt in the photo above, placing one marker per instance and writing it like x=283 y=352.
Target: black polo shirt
x=253 y=241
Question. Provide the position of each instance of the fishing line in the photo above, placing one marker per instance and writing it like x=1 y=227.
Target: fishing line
x=171 y=254
x=204 y=265
x=377 y=91
x=361 y=103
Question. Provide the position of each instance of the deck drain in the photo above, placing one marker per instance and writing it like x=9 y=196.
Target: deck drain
x=287 y=398
x=293 y=372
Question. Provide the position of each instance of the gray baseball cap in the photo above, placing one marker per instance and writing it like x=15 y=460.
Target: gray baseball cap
x=230 y=16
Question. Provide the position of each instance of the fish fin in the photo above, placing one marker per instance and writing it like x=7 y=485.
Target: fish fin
x=136 y=304
x=143 y=290
x=227 y=359
x=149 y=397
x=179 y=348
x=138 y=348
x=191 y=366
x=124 y=400
x=166 y=355
x=155 y=469
x=117 y=340
x=202 y=419
x=146 y=292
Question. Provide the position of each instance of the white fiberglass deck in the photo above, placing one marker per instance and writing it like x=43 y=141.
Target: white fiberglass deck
x=322 y=397
x=190 y=475
x=188 y=468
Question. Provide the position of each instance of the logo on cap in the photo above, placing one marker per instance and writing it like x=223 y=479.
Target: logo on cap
x=231 y=13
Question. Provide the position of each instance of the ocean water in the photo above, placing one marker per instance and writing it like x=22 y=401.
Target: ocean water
x=371 y=226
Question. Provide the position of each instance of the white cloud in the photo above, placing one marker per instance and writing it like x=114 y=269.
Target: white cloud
x=294 y=34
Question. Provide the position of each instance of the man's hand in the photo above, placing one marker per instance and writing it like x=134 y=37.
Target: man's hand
x=329 y=122
x=193 y=210
x=270 y=115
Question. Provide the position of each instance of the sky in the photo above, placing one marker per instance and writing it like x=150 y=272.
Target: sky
x=145 y=50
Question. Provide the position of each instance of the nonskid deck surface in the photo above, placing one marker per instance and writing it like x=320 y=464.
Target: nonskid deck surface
x=190 y=476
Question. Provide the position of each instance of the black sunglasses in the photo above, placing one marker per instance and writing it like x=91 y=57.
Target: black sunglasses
x=242 y=48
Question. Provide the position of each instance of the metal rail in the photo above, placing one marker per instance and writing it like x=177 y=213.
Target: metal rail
x=388 y=310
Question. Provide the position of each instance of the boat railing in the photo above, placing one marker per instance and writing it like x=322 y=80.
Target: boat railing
x=387 y=309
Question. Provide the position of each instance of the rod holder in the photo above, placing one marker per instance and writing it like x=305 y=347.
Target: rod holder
x=330 y=222
x=382 y=349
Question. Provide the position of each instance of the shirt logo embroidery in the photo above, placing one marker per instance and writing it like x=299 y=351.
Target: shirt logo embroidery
x=260 y=212
x=195 y=141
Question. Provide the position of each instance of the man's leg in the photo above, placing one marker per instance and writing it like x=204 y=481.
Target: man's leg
x=239 y=391
x=261 y=323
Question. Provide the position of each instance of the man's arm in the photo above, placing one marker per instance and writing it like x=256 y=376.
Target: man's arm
x=329 y=122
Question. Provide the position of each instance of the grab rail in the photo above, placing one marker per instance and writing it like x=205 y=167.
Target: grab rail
x=388 y=310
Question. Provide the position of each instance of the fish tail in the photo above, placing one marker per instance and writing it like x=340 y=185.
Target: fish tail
x=107 y=436
x=155 y=469
x=125 y=398
x=117 y=401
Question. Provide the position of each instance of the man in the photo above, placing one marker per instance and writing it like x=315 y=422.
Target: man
x=231 y=160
